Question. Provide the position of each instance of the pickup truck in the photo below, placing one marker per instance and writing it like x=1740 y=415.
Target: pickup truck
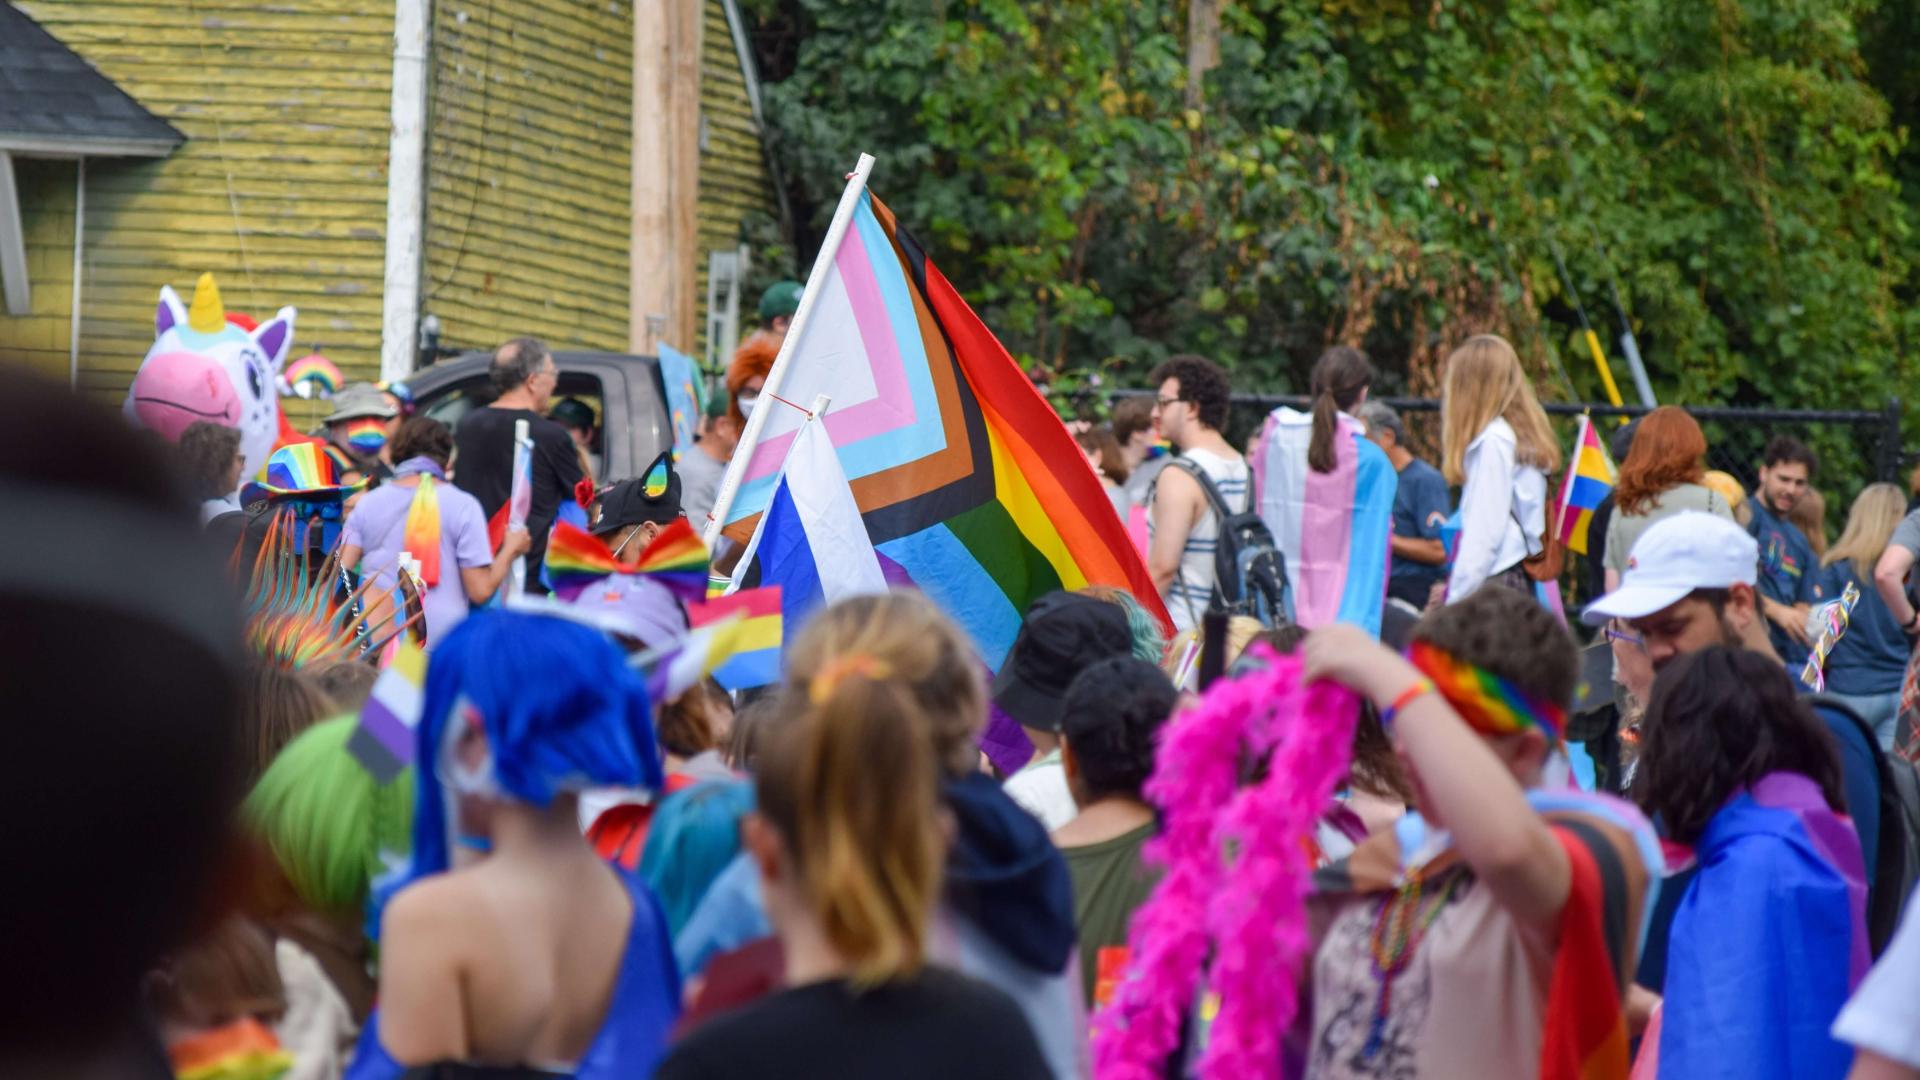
x=624 y=391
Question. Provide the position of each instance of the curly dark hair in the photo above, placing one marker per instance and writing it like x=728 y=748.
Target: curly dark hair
x=1784 y=448
x=1508 y=633
x=423 y=436
x=1109 y=718
x=1721 y=719
x=206 y=451
x=1202 y=382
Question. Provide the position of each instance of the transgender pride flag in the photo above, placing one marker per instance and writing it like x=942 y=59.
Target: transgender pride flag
x=1334 y=528
x=964 y=476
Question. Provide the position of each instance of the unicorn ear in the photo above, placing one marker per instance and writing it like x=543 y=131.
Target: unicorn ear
x=275 y=337
x=170 y=313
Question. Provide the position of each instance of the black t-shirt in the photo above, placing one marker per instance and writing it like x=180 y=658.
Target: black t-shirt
x=936 y=1026
x=484 y=469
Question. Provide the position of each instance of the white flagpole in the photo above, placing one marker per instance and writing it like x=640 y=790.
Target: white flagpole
x=818 y=413
x=519 y=497
x=816 y=281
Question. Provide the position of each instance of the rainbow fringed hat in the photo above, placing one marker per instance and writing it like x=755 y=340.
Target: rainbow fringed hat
x=301 y=472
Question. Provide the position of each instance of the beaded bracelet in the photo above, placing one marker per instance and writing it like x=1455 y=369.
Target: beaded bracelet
x=1424 y=686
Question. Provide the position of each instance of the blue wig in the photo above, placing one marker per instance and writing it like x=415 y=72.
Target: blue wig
x=561 y=709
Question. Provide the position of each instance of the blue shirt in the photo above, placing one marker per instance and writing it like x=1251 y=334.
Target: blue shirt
x=1420 y=507
x=1786 y=561
x=1871 y=657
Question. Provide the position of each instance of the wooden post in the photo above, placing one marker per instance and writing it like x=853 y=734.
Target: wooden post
x=1203 y=48
x=666 y=173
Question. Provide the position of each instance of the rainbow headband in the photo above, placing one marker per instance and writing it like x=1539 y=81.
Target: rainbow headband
x=1488 y=703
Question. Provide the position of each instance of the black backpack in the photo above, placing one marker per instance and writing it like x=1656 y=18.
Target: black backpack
x=1249 y=572
x=1897 y=865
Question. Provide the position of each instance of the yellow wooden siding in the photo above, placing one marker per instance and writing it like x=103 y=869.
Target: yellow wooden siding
x=734 y=183
x=46 y=216
x=528 y=172
x=280 y=188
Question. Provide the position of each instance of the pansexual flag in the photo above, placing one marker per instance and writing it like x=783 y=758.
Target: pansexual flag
x=964 y=475
x=1590 y=477
x=755 y=646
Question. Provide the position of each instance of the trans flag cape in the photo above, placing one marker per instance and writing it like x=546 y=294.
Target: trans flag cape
x=1769 y=940
x=967 y=481
x=1332 y=527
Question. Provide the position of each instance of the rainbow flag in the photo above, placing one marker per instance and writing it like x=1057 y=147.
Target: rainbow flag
x=1590 y=476
x=964 y=475
x=755 y=660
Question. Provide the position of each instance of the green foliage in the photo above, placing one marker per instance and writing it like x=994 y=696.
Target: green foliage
x=1383 y=173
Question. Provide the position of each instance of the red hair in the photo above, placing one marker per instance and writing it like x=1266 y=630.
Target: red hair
x=752 y=360
x=1667 y=452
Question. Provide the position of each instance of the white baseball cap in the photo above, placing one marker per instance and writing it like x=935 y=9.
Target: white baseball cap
x=1675 y=556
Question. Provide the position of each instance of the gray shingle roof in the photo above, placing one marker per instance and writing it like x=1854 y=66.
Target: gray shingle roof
x=52 y=100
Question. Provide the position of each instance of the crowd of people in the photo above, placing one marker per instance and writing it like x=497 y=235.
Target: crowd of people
x=1683 y=849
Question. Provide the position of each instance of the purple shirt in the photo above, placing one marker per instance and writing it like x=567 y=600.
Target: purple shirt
x=378 y=525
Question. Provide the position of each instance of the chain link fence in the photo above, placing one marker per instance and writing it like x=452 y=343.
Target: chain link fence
x=1854 y=447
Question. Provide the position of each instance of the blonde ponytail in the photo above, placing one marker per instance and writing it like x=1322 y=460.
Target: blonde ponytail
x=888 y=692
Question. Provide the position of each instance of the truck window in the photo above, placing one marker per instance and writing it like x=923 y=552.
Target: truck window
x=463 y=397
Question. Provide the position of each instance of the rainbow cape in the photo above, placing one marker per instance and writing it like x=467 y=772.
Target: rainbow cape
x=965 y=477
x=1590 y=477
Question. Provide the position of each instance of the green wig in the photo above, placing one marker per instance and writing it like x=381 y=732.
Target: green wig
x=333 y=829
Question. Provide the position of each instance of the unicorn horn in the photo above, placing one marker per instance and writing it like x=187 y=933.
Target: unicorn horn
x=206 y=315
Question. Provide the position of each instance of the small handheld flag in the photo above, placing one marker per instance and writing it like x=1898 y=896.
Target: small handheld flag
x=1590 y=477
x=383 y=740
x=520 y=497
x=672 y=670
x=755 y=660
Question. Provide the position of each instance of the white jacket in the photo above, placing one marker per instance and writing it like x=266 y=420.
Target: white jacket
x=1503 y=510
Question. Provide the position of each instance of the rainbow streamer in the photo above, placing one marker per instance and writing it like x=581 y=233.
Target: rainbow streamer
x=1488 y=703
x=677 y=560
x=295 y=615
x=1835 y=617
x=422 y=536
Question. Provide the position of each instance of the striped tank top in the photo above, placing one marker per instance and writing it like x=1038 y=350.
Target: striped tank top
x=1192 y=588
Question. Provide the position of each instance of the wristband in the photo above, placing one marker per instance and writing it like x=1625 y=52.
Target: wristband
x=1424 y=686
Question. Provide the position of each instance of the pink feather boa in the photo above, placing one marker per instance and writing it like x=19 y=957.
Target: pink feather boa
x=1252 y=910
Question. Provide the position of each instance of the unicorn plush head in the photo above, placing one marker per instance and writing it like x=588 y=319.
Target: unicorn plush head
x=204 y=367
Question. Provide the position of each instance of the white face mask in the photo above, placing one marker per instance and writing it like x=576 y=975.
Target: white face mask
x=746 y=404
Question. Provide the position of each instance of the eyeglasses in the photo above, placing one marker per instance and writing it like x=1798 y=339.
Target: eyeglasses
x=1626 y=638
x=1163 y=402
